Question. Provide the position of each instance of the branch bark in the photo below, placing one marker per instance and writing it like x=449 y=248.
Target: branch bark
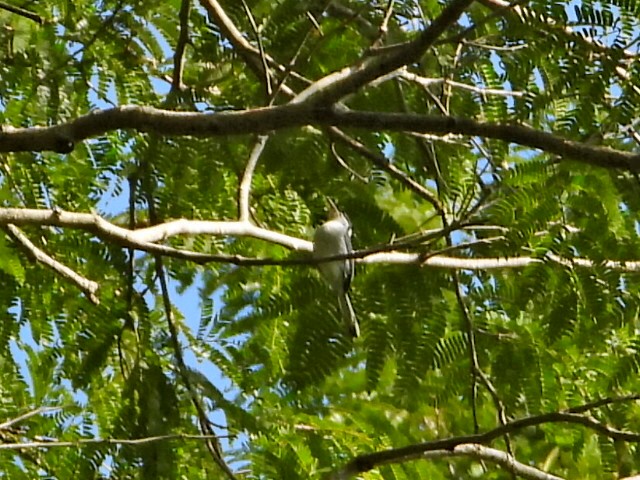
x=364 y=463
x=62 y=137
x=89 y=287
x=506 y=461
x=144 y=239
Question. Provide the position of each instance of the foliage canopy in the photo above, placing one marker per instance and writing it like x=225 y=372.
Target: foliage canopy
x=163 y=165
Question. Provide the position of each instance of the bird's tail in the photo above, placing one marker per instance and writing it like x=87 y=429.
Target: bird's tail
x=349 y=315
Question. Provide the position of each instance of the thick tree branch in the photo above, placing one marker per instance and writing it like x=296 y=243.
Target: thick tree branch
x=61 y=138
x=137 y=238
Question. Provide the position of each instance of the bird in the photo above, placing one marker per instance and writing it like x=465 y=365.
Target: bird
x=330 y=239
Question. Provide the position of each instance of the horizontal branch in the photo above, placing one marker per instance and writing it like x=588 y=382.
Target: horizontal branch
x=62 y=137
x=133 y=238
x=144 y=239
x=103 y=441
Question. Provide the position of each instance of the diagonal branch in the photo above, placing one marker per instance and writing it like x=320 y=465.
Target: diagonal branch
x=525 y=13
x=251 y=55
x=23 y=12
x=366 y=462
x=508 y=462
x=37 y=411
x=381 y=162
x=212 y=441
x=603 y=402
x=263 y=58
x=89 y=287
x=336 y=85
x=212 y=444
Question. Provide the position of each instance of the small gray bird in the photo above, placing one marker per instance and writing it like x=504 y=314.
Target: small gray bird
x=334 y=238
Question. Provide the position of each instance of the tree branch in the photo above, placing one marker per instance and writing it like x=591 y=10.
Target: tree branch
x=508 y=462
x=244 y=190
x=62 y=137
x=252 y=56
x=89 y=287
x=104 y=441
x=143 y=239
x=183 y=39
x=32 y=413
x=524 y=13
x=381 y=162
x=364 y=463
x=336 y=85
x=483 y=91
x=22 y=12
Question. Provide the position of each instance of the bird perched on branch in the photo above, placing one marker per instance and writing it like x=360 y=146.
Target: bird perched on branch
x=334 y=238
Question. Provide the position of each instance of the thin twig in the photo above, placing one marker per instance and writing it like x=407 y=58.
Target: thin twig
x=384 y=26
x=381 y=162
x=289 y=68
x=474 y=364
x=104 y=441
x=212 y=440
x=27 y=415
x=342 y=162
x=251 y=55
x=602 y=403
x=212 y=444
x=263 y=57
x=501 y=7
x=427 y=82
